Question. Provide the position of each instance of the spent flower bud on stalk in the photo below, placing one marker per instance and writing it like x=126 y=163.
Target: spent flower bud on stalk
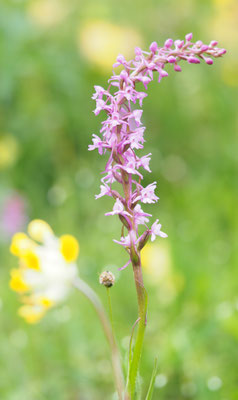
x=122 y=136
x=107 y=279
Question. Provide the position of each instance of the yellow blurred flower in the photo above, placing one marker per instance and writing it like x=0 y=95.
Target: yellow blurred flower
x=101 y=42
x=224 y=22
x=229 y=72
x=223 y=25
x=223 y=3
x=157 y=266
x=46 y=269
x=9 y=150
x=156 y=261
x=46 y=13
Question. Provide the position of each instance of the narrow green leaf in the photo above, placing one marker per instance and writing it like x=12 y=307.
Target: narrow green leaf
x=152 y=381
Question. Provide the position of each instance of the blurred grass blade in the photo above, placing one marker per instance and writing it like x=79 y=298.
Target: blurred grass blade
x=152 y=381
x=138 y=391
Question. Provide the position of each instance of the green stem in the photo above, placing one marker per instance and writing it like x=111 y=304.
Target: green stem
x=131 y=339
x=110 y=310
x=116 y=362
x=142 y=308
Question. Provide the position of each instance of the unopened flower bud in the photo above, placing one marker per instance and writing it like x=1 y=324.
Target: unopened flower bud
x=189 y=37
x=168 y=43
x=221 y=52
x=179 y=43
x=124 y=75
x=153 y=47
x=208 y=60
x=177 y=68
x=193 y=60
x=163 y=73
x=171 y=59
x=204 y=47
x=143 y=240
x=199 y=43
x=126 y=222
x=107 y=279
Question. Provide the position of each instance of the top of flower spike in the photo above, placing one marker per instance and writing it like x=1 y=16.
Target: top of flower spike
x=122 y=132
x=46 y=268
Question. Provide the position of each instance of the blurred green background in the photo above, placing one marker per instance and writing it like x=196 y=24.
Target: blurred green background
x=52 y=53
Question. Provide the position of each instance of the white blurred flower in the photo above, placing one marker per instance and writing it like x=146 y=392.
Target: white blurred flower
x=46 y=270
x=214 y=383
x=161 y=380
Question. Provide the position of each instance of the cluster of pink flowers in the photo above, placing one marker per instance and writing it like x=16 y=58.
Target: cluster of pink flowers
x=123 y=133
